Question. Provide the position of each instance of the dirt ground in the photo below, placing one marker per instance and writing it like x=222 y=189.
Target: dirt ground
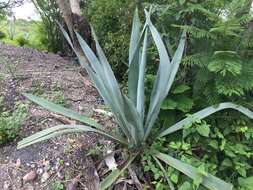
x=61 y=161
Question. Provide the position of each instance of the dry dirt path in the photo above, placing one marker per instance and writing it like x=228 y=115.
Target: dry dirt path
x=62 y=158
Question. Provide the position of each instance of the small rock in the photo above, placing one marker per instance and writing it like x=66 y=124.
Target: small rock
x=39 y=171
x=28 y=187
x=7 y=186
x=45 y=177
x=30 y=176
x=18 y=163
x=33 y=165
x=47 y=165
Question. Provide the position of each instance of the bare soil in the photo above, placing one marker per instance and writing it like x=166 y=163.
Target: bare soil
x=63 y=159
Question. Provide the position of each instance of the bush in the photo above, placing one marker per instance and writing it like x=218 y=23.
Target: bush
x=10 y=42
x=10 y=121
x=22 y=41
x=2 y=35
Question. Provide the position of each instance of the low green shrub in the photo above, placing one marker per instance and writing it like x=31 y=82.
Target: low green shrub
x=10 y=42
x=2 y=35
x=10 y=121
x=22 y=41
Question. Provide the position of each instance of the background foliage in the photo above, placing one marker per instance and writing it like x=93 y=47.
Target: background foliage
x=217 y=67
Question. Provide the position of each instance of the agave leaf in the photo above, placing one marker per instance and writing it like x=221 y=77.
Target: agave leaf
x=93 y=60
x=107 y=68
x=176 y=61
x=46 y=137
x=110 y=93
x=136 y=28
x=164 y=173
x=110 y=179
x=140 y=89
x=134 y=119
x=99 y=83
x=61 y=110
x=134 y=51
x=209 y=181
x=159 y=89
x=120 y=107
x=64 y=129
x=204 y=113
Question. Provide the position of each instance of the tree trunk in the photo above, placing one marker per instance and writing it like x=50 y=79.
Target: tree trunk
x=67 y=15
x=71 y=12
x=75 y=6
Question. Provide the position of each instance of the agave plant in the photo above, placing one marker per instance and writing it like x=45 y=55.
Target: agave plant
x=135 y=121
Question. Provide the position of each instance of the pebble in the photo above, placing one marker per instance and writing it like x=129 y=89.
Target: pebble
x=7 y=186
x=28 y=187
x=39 y=171
x=33 y=165
x=30 y=176
x=18 y=163
x=45 y=177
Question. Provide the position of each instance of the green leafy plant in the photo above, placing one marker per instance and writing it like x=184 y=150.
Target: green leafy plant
x=2 y=35
x=57 y=185
x=230 y=147
x=135 y=119
x=22 y=41
x=11 y=121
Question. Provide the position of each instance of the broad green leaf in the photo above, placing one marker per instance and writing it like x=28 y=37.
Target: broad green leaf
x=63 y=129
x=184 y=103
x=246 y=182
x=169 y=104
x=204 y=113
x=61 y=110
x=180 y=89
x=203 y=129
x=110 y=179
x=185 y=186
x=209 y=181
